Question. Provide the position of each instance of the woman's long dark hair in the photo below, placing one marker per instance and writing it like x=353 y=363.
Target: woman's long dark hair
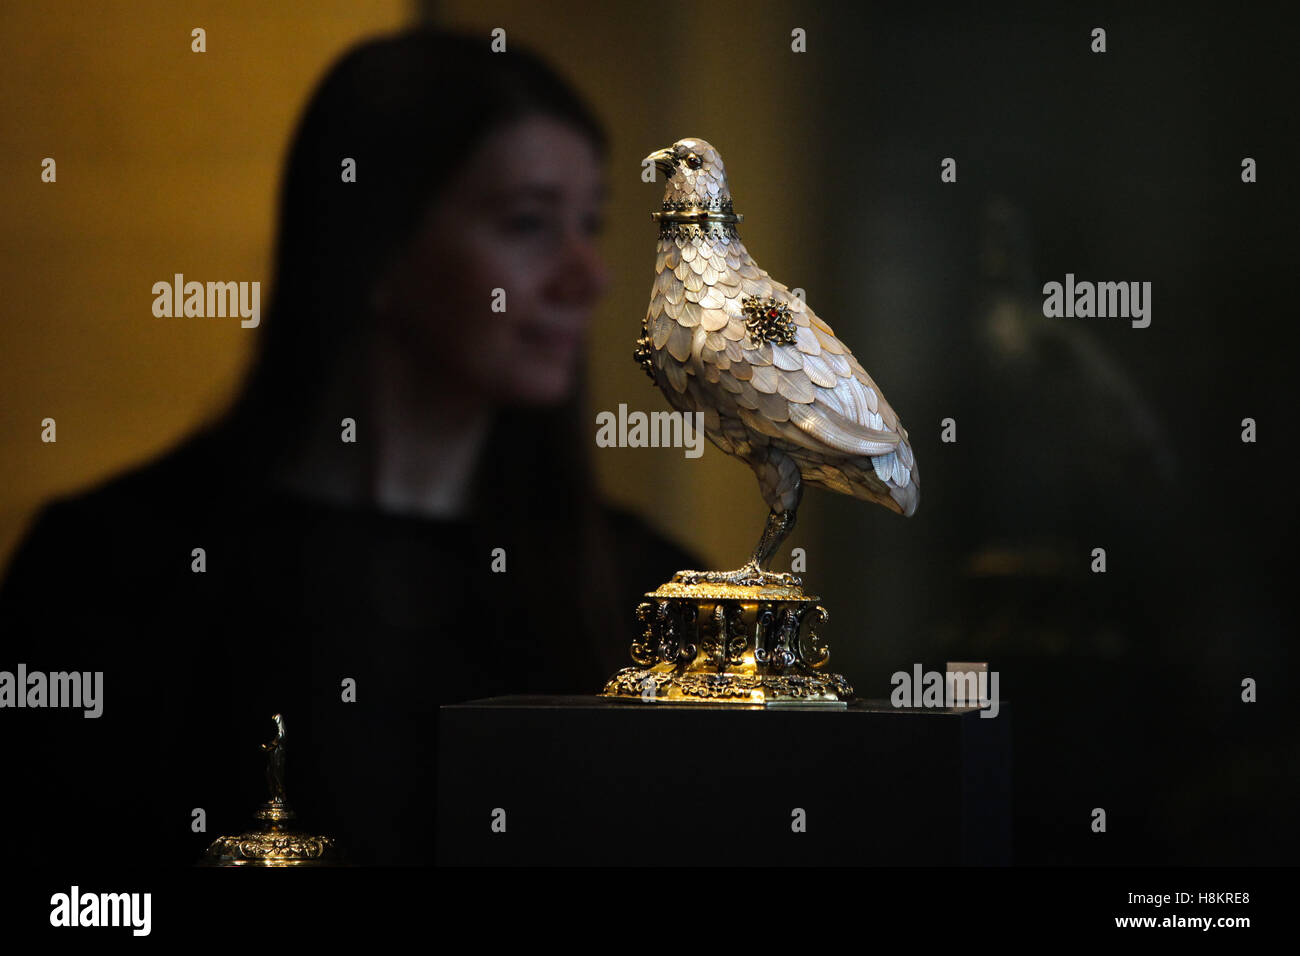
x=409 y=108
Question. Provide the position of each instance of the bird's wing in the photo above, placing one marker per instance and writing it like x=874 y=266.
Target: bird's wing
x=813 y=393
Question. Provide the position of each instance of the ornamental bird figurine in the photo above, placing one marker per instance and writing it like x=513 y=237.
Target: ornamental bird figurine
x=777 y=389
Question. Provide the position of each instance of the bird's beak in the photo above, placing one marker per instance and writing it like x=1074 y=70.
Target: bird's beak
x=663 y=159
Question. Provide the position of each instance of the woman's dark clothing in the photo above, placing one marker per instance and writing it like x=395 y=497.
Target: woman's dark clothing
x=299 y=601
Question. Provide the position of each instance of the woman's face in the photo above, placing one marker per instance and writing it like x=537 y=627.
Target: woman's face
x=522 y=215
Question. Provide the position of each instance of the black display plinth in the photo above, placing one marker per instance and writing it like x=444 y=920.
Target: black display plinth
x=587 y=780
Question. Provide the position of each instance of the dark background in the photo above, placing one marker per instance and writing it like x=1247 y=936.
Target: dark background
x=1083 y=433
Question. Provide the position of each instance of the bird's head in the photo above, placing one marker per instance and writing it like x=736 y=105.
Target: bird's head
x=694 y=172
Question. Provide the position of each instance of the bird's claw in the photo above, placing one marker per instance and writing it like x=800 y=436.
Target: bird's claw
x=751 y=575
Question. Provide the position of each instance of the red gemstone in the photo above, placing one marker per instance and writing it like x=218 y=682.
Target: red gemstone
x=771 y=313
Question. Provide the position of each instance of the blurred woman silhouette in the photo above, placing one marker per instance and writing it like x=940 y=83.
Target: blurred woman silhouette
x=397 y=512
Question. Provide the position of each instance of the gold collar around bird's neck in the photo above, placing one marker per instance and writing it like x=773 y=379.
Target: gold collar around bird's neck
x=683 y=218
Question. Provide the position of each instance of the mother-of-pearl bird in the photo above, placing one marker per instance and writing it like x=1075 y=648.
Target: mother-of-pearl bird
x=777 y=389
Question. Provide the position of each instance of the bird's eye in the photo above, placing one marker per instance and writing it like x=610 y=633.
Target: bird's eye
x=694 y=161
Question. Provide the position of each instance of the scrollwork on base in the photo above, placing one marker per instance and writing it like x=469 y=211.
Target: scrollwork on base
x=271 y=849
x=652 y=685
x=729 y=643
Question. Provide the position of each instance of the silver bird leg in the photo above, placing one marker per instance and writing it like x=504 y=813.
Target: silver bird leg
x=775 y=531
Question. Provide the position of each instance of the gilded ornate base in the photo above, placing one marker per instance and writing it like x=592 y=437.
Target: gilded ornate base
x=272 y=844
x=730 y=644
